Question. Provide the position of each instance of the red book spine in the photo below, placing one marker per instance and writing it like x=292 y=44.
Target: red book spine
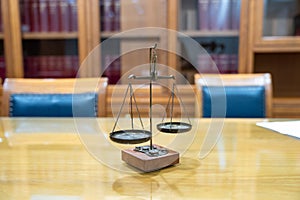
x=102 y=16
x=116 y=70
x=34 y=16
x=75 y=64
x=113 y=15
x=51 y=63
x=44 y=15
x=64 y=16
x=73 y=15
x=108 y=14
x=43 y=65
x=34 y=65
x=26 y=68
x=2 y=67
x=53 y=16
x=117 y=20
x=68 y=68
x=59 y=63
x=25 y=7
x=203 y=10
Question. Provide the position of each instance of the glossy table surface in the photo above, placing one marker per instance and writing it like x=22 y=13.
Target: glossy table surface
x=47 y=159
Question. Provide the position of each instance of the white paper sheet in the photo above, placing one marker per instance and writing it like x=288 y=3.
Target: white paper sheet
x=291 y=128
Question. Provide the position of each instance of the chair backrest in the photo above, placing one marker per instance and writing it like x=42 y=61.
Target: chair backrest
x=54 y=97
x=245 y=95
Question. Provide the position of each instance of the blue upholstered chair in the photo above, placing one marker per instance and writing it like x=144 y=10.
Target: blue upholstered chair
x=81 y=97
x=234 y=95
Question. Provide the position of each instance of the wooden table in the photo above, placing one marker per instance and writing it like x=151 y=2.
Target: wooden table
x=44 y=159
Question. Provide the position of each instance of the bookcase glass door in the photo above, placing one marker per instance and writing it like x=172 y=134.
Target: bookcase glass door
x=49 y=38
x=126 y=18
x=281 y=18
x=214 y=24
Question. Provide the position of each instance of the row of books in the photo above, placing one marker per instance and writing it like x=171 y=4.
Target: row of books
x=48 y=15
x=110 y=15
x=51 y=66
x=213 y=15
x=225 y=63
x=112 y=70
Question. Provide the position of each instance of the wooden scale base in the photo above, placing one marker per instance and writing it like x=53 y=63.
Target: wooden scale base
x=147 y=163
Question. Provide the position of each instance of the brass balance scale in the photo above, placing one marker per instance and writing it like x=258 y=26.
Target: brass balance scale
x=149 y=157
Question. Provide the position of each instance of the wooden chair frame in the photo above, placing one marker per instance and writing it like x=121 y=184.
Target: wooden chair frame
x=262 y=79
x=58 y=86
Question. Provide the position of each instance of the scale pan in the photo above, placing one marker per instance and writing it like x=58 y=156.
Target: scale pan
x=132 y=136
x=174 y=127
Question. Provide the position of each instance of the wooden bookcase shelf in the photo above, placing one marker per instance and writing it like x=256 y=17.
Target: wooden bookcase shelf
x=130 y=35
x=50 y=35
x=211 y=33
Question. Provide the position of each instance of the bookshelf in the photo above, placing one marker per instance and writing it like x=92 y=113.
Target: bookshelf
x=214 y=24
x=118 y=19
x=274 y=46
x=50 y=35
x=51 y=28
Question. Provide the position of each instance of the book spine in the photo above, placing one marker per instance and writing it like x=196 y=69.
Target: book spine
x=35 y=66
x=53 y=16
x=60 y=61
x=101 y=8
x=108 y=14
x=64 y=16
x=204 y=64
x=215 y=64
x=224 y=63
x=34 y=16
x=233 y=64
x=44 y=15
x=117 y=15
x=235 y=14
x=116 y=70
x=68 y=67
x=51 y=63
x=203 y=13
x=224 y=15
x=75 y=64
x=26 y=67
x=73 y=15
x=43 y=64
x=214 y=12
x=25 y=13
x=2 y=68
x=191 y=23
